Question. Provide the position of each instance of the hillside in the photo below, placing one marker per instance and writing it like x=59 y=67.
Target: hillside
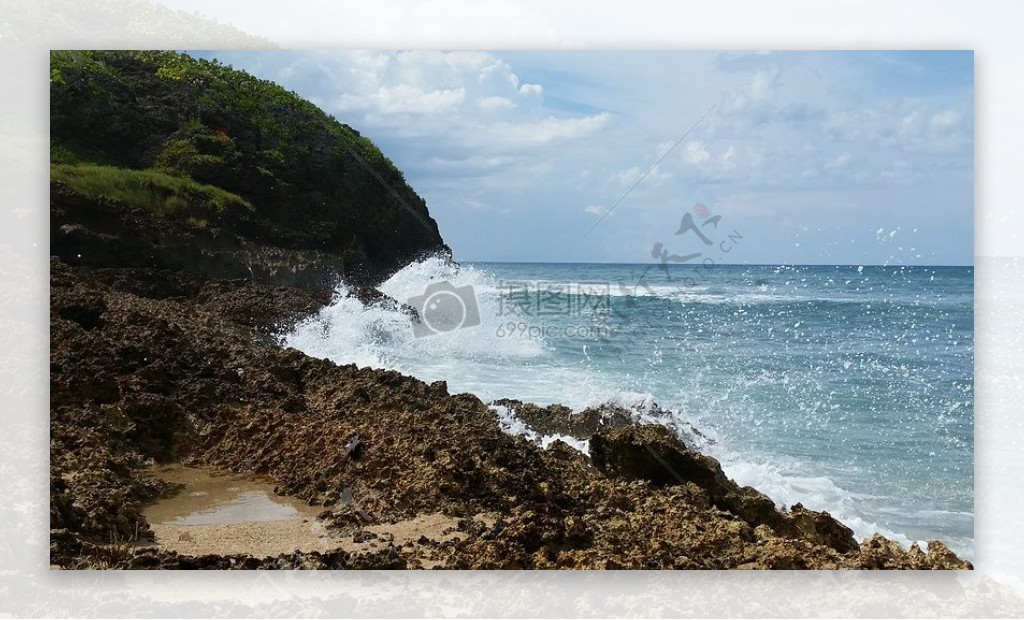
x=176 y=147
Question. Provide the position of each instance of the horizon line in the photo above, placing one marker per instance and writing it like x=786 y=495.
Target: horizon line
x=655 y=264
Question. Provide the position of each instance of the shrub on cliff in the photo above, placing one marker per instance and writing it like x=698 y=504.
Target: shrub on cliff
x=313 y=182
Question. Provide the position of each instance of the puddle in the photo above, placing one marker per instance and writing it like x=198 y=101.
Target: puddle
x=226 y=514
x=223 y=513
x=215 y=498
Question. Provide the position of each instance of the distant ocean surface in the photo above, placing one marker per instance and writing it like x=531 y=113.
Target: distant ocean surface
x=845 y=388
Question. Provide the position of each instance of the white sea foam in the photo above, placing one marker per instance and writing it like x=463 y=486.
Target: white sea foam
x=789 y=486
x=477 y=360
x=347 y=332
x=510 y=423
x=784 y=486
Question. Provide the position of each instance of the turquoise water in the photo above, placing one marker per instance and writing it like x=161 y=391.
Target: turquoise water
x=849 y=389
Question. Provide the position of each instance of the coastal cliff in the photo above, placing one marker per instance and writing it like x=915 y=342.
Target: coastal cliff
x=195 y=213
x=160 y=160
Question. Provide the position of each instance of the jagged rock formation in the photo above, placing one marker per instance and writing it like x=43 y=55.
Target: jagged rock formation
x=186 y=378
x=196 y=212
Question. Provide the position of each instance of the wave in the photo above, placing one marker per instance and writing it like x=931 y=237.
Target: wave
x=739 y=295
x=348 y=332
x=512 y=425
x=785 y=486
x=478 y=360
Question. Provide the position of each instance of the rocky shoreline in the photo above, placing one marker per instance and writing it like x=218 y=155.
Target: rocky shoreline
x=185 y=370
x=173 y=272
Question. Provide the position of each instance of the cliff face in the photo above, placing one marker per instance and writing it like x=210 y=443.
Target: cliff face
x=185 y=152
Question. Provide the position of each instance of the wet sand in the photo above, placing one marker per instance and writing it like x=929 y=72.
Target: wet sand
x=227 y=514
x=222 y=513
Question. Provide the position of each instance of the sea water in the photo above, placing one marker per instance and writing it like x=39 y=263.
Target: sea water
x=845 y=388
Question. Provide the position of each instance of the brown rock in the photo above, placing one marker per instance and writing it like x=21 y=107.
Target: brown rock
x=189 y=378
x=821 y=528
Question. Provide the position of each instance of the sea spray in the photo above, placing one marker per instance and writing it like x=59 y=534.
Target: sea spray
x=840 y=389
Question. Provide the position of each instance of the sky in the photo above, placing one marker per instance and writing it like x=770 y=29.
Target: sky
x=832 y=157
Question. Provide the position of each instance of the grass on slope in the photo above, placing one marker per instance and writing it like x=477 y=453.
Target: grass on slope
x=149 y=189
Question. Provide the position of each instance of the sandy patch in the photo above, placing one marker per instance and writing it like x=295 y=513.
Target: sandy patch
x=228 y=514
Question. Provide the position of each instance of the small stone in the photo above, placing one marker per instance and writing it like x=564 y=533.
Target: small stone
x=354 y=448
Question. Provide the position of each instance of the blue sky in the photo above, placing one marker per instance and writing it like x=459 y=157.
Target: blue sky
x=813 y=157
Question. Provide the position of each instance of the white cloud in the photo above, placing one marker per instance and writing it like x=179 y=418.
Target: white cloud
x=418 y=82
x=460 y=101
x=754 y=94
x=763 y=83
x=695 y=154
x=909 y=125
x=480 y=131
x=403 y=99
x=544 y=132
x=498 y=75
x=655 y=176
x=531 y=89
x=469 y=163
x=495 y=103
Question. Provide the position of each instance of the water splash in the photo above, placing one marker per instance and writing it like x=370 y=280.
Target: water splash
x=786 y=373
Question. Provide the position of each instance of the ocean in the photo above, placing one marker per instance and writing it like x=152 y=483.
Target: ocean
x=845 y=388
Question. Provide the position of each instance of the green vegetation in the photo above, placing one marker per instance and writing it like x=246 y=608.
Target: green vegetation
x=150 y=189
x=143 y=109
x=193 y=138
